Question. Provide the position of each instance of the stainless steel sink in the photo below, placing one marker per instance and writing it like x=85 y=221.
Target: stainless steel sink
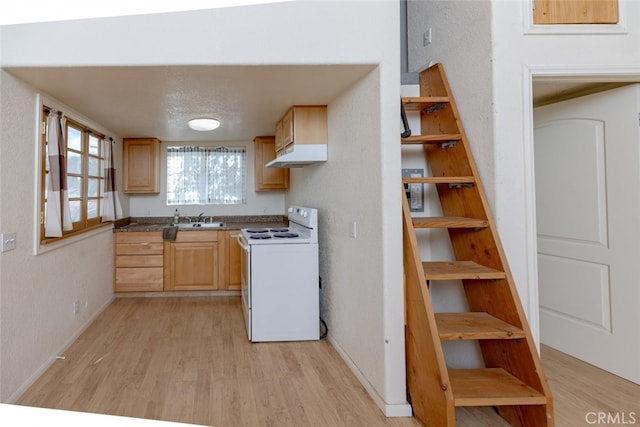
x=199 y=225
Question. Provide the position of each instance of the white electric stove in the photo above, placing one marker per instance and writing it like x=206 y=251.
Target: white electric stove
x=280 y=279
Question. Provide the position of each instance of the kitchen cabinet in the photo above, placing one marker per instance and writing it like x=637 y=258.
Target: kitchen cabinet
x=141 y=165
x=233 y=260
x=302 y=124
x=268 y=179
x=138 y=262
x=191 y=262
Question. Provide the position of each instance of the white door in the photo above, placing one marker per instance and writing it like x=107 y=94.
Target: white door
x=588 y=214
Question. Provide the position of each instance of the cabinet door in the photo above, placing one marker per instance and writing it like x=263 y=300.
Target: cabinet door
x=141 y=165
x=193 y=266
x=268 y=179
x=233 y=260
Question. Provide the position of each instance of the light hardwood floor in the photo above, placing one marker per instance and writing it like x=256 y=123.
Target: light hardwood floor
x=188 y=360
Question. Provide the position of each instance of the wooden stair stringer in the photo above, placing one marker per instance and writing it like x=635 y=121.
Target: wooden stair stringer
x=518 y=357
x=428 y=376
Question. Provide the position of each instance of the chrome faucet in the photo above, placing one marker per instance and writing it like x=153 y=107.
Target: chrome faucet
x=200 y=217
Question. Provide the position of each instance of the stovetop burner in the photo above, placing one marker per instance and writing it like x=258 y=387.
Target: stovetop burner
x=260 y=236
x=279 y=230
x=257 y=230
x=285 y=235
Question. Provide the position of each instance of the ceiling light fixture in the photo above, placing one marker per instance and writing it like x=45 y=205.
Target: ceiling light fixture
x=204 y=124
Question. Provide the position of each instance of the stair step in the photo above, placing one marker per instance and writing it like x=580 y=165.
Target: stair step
x=459 y=270
x=474 y=326
x=419 y=103
x=432 y=139
x=449 y=222
x=491 y=387
x=440 y=180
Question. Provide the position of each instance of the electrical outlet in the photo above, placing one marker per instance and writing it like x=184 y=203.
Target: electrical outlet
x=76 y=307
x=7 y=242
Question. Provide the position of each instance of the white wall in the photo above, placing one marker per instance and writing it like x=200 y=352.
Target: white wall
x=490 y=68
x=37 y=292
x=364 y=284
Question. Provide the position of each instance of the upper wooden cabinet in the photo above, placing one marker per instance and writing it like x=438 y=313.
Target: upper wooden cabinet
x=268 y=179
x=575 y=12
x=141 y=165
x=302 y=124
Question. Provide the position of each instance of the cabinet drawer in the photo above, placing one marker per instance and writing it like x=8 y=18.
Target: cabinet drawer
x=138 y=237
x=139 y=279
x=139 y=261
x=146 y=248
x=197 y=236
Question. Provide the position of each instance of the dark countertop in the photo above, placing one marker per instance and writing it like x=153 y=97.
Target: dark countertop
x=230 y=223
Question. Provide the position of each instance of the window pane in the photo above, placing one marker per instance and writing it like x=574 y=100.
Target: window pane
x=92 y=208
x=74 y=186
x=74 y=162
x=94 y=186
x=94 y=145
x=74 y=139
x=205 y=175
x=94 y=166
x=75 y=210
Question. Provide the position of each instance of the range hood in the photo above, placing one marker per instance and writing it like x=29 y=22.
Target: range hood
x=300 y=155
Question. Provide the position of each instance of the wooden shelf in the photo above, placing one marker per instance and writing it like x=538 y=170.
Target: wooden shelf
x=440 y=180
x=449 y=222
x=474 y=326
x=491 y=387
x=459 y=270
x=431 y=139
x=419 y=103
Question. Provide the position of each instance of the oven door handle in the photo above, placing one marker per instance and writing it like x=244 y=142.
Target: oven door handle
x=241 y=242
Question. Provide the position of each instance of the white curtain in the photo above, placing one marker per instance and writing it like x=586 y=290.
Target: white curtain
x=57 y=216
x=110 y=207
x=205 y=175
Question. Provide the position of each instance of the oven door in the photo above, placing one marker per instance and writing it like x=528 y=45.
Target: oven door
x=245 y=284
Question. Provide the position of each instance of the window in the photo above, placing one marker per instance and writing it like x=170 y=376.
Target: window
x=206 y=175
x=84 y=159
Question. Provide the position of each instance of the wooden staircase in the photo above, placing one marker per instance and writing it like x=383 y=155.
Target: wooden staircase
x=511 y=379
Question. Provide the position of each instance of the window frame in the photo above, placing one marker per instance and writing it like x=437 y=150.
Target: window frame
x=85 y=224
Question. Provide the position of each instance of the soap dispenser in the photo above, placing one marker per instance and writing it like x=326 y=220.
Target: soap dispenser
x=176 y=217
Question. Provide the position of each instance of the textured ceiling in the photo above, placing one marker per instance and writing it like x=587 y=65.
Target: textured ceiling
x=158 y=101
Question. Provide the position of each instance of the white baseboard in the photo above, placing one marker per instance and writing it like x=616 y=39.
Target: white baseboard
x=389 y=410
x=38 y=373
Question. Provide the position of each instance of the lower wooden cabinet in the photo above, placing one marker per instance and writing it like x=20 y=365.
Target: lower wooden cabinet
x=192 y=262
x=196 y=260
x=233 y=261
x=138 y=262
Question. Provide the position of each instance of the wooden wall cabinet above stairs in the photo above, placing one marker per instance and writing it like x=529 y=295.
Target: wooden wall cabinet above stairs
x=511 y=379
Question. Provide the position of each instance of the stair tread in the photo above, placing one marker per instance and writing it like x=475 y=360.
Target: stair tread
x=459 y=270
x=491 y=387
x=432 y=139
x=419 y=103
x=440 y=180
x=474 y=326
x=449 y=222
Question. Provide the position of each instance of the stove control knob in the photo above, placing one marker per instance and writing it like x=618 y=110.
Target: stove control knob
x=304 y=214
x=290 y=209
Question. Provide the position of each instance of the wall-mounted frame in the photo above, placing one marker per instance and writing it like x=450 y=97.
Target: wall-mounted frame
x=414 y=191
